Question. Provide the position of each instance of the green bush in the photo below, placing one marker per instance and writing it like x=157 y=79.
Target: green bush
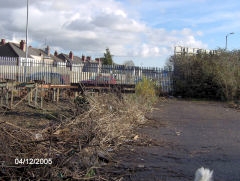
x=147 y=89
x=207 y=76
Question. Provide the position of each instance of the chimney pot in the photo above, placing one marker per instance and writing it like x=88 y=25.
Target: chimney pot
x=47 y=51
x=71 y=55
x=88 y=58
x=2 y=41
x=83 y=58
x=23 y=45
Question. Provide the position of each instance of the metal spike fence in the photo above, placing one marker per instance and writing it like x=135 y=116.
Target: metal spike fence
x=25 y=70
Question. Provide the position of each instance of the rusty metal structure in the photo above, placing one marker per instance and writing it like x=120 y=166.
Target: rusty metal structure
x=36 y=81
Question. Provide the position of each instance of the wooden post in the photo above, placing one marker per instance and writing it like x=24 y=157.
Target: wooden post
x=41 y=95
x=76 y=94
x=54 y=94
x=11 y=103
x=36 y=93
x=12 y=92
x=2 y=96
x=58 y=94
x=29 y=96
x=7 y=95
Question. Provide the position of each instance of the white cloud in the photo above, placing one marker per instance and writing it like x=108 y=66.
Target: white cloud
x=121 y=13
x=149 y=51
x=92 y=26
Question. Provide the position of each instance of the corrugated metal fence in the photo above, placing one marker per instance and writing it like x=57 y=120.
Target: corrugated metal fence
x=22 y=70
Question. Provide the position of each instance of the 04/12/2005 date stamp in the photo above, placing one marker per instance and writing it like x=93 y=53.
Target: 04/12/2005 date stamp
x=33 y=161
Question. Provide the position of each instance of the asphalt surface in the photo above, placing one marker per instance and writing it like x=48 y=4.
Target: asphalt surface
x=187 y=135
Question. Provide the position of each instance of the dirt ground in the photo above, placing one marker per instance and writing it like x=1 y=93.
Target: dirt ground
x=181 y=136
x=186 y=135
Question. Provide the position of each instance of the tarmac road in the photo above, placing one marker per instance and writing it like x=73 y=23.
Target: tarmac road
x=188 y=135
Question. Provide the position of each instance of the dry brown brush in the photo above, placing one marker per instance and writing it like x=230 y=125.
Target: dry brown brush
x=76 y=148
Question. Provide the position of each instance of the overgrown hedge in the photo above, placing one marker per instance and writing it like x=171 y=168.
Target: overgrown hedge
x=211 y=76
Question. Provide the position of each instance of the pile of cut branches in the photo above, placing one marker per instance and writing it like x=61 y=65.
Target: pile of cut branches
x=75 y=148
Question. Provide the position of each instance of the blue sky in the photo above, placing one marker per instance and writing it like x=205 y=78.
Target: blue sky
x=142 y=31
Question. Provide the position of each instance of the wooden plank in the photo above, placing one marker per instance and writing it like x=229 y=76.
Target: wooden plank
x=3 y=84
x=49 y=86
x=30 y=85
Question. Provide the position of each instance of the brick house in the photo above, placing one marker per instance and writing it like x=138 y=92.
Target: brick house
x=15 y=54
x=83 y=64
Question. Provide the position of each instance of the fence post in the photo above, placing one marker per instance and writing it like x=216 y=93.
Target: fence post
x=29 y=95
x=58 y=94
x=41 y=95
x=7 y=94
x=1 y=96
x=36 y=93
x=11 y=103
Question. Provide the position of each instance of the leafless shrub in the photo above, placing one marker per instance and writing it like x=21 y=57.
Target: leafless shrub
x=77 y=147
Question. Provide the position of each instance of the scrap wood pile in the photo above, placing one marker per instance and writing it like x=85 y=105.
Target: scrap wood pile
x=234 y=104
x=74 y=149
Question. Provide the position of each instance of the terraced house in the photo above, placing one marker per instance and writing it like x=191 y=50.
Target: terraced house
x=13 y=55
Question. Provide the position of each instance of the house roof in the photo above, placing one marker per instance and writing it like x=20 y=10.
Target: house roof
x=56 y=59
x=36 y=52
x=11 y=50
x=66 y=58
x=39 y=52
x=17 y=50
